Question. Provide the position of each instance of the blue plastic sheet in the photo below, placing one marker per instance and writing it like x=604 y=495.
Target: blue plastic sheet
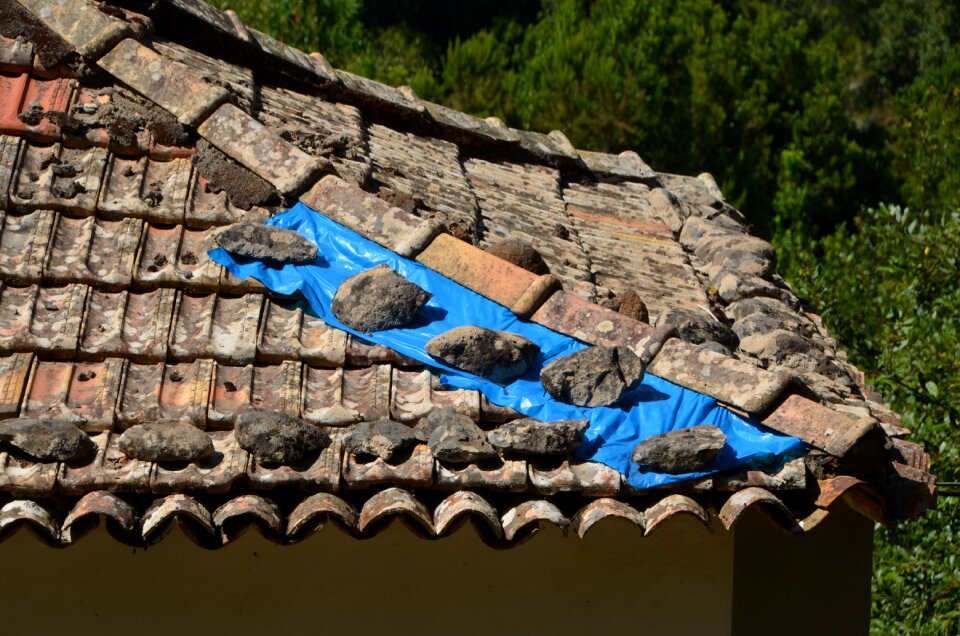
x=656 y=406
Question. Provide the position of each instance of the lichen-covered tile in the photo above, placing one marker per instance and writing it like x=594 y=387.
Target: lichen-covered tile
x=320 y=128
x=214 y=474
x=16 y=316
x=208 y=206
x=415 y=394
x=25 y=478
x=323 y=473
x=128 y=324
x=368 y=391
x=9 y=149
x=305 y=64
x=323 y=398
x=236 y=79
x=16 y=54
x=463 y=123
x=574 y=316
x=623 y=166
x=27 y=99
x=523 y=201
x=84 y=394
x=140 y=394
x=429 y=172
x=288 y=331
x=81 y=24
x=277 y=388
x=43 y=319
x=215 y=326
x=505 y=476
x=414 y=472
x=142 y=187
x=229 y=396
x=173 y=86
x=109 y=469
x=380 y=95
x=158 y=256
x=361 y=353
x=591 y=479
x=24 y=240
x=832 y=431
x=58 y=178
x=186 y=391
x=14 y=372
x=243 y=138
x=734 y=382
x=94 y=251
x=194 y=267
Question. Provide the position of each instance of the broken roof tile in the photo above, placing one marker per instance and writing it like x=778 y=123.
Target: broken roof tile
x=14 y=371
x=145 y=188
x=171 y=85
x=24 y=478
x=93 y=251
x=128 y=324
x=24 y=241
x=285 y=167
x=80 y=24
x=215 y=326
x=818 y=425
x=736 y=383
x=371 y=216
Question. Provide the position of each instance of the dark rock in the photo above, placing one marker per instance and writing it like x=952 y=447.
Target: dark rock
x=46 y=440
x=166 y=441
x=629 y=304
x=498 y=356
x=521 y=254
x=244 y=188
x=533 y=437
x=696 y=327
x=272 y=245
x=684 y=450
x=377 y=299
x=454 y=437
x=277 y=438
x=384 y=439
x=595 y=376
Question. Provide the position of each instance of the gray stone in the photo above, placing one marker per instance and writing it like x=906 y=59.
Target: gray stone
x=498 y=356
x=521 y=254
x=779 y=347
x=383 y=439
x=272 y=245
x=595 y=376
x=454 y=437
x=533 y=437
x=377 y=299
x=277 y=438
x=696 y=327
x=685 y=450
x=166 y=441
x=46 y=440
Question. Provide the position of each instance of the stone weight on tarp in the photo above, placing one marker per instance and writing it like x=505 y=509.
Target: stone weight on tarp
x=533 y=437
x=377 y=299
x=595 y=376
x=686 y=450
x=266 y=243
x=498 y=356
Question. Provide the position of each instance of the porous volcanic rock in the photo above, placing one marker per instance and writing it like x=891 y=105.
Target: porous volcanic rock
x=166 y=441
x=498 y=356
x=685 y=450
x=46 y=440
x=521 y=254
x=277 y=438
x=533 y=437
x=384 y=439
x=454 y=437
x=595 y=376
x=271 y=245
x=377 y=299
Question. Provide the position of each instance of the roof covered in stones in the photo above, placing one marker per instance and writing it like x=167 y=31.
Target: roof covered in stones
x=130 y=132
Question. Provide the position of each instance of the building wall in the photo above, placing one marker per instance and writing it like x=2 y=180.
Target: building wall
x=680 y=580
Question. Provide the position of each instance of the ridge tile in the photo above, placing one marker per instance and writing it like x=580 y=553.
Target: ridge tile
x=80 y=24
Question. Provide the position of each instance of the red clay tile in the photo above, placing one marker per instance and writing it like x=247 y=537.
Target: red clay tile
x=131 y=325
x=207 y=207
x=360 y=353
x=110 y=469
x=83 y=394
x=26 y=478
x=280 y=163
x=194 y=267
x=158 y=256
x=9 y=149
x=175 y=87
x=24 y=241
x=414 y=394
x=323 y=398
x=488 y=275
x=140 y=394
x=21 y=93
x=289 y=332
x=367 y=390
x=58 y=178
x=322 y=474
x=588 y=478
x=370 y=216
x=215 y=326
x=277 y=388
x=14 y=371
x=43 y=319
x=94 y=251
x=186 y=391
x=819 y=426
x=144 y=188
x=229 y=395
x=415 y=472
x=215 y=474
x=593 y=324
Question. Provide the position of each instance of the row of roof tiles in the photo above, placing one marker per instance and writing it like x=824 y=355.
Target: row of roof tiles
x=217 y=526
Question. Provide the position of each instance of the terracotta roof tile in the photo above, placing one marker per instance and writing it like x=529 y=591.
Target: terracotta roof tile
x=507 y=475
x=24 y=241
x=81 y=24
x=414 y=472
x=290 y=332
x=54 y=177
x=14 y=372
x=16 y=54
x=25 y=94
x=82 y=393
x=143 y=188
x=215 y=326
x=128 y=324
x=93 y=251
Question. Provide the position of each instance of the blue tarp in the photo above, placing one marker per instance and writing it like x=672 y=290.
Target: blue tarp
x=656 y=406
